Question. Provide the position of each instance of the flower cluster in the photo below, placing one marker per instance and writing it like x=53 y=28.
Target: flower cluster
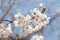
x=5 y=30
x=26 y=31
x=21 y=20
x=31 y=23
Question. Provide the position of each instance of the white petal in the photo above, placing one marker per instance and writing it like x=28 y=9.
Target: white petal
x=40 y=5
x=16 y=23
x=28 y=17
x=9 y=28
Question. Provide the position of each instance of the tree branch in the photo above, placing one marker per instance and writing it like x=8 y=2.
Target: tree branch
x=8 y=10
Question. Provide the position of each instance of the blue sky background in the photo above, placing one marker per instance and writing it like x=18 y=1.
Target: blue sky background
x=52 y=30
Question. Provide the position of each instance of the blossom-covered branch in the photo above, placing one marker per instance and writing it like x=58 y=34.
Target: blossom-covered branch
x=31 y=23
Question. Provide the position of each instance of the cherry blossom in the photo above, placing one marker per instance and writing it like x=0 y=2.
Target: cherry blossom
x=22 y=22
x=32 y=22
x=36 y=37
x=5 y=32
x=40 y=5
x=26 y=31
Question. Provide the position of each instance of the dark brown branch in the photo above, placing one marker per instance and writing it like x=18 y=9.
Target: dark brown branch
x=8 y=10
x=8 y=21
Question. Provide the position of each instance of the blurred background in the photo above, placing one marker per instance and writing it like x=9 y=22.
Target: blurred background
x=51 y=32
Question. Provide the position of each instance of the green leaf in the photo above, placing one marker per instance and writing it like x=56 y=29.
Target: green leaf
x=43 y=10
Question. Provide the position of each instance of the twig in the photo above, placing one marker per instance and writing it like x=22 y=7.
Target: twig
x=8 y=10
x=8 y=21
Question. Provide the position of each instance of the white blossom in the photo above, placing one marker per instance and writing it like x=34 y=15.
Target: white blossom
x=17 y=23
x=26 y=31
x=18 y=16
x=36 y=28
x=18 y=19
x=41 y=37
x=35 y=12
x=40 y=21
x=22 y=22
x=40 y=5
x=5 y=32
x=43 y=20
x=1 y=32
x=28 y=17
x=9 y=28
x=37 y=37
x=3 y=26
